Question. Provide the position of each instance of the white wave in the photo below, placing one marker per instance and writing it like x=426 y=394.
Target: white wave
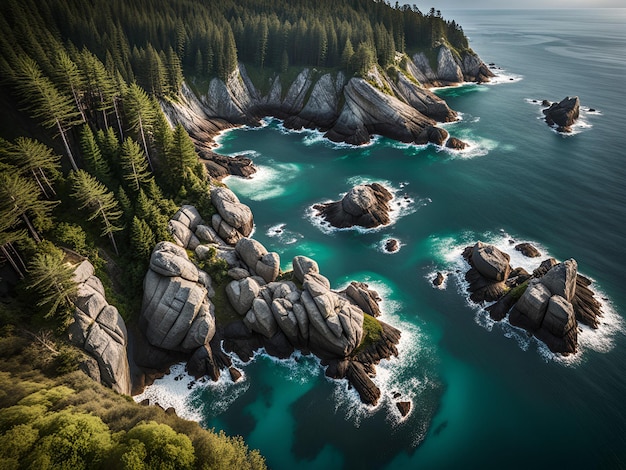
x=382 y=245
x=449 y=259
x=284 y=235
x=267 y=183
x=402 y=204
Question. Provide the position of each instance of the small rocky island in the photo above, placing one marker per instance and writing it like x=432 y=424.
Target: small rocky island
x=548 y=303
x=562 y=115
x=365 y=205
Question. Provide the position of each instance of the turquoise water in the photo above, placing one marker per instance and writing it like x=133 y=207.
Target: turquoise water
x=483 y=394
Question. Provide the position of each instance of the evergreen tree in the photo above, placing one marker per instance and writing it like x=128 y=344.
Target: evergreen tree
x=134 y=165
x=44 y=101
x=181 y=155
x=92 y=155
x=140 y=114
x=36 y=160
x=52 y=280
x=99 y=203
x=19 y=201
x=71 y=77
x=142 y=239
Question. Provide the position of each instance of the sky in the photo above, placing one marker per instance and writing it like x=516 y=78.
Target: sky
x=424 y=5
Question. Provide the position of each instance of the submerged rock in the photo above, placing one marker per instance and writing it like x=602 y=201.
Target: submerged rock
x=456 y=144
x=528 y=250
x=438 y=279
x=365 y=205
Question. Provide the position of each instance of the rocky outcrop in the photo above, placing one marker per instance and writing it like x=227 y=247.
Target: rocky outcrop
x=233 y=220
x=99 y=329
x=564 y=114
x=176 y=312
x=548 y=303
x=365 y=205
x=347 y=109
x=528 y=250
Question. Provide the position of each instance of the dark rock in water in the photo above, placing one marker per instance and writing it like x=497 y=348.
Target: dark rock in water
x=490 y=262
x=220 y=166
x=202 y=363
x=365 y=205
x=563 y=114
x=367 y=389
x=435 y=135
x=528 y=250
x=592 y=110
x=396 y=395
x=456 y=144
x=546 y=103
x=544 y=267
x=235 y=374
x=438 y=280
x=392 y=245
x=586 y=307
x=404 y=407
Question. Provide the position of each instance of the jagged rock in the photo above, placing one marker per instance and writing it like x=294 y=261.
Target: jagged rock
x=456 y=144
x=176 y=311
x=528 y=250
x=559 y=317
x=235 y=374
x=365 y=298
x=438 y=279
x=563 y=114
x=544 y=267
x=202 y=363
x=586 y=307
x=260 y=319
x=392 y=245
x=99 y=329
x=368 y=391
x=404 y=407
x=561 y=279
x=364 y=205
x=233 y=213
x=490 y=262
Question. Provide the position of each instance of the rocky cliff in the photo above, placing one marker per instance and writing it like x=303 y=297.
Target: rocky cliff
x=396 y=104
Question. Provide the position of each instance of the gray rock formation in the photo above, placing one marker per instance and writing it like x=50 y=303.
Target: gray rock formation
x=365 y=205
x=176 y=311
x=257 y=259
x=234 y=220
x=563 y=114
x=490 y=262
x=99 y=329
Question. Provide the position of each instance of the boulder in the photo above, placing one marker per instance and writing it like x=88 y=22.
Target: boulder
x=258 y=260
x=434 y=135
x=364 y=205
x=490 y=262
x=561 y=279
x=365 y=298
x=560 y=318
x=188 y=216
x=235 y=214
x=404 y=407
x=177 y=314
x=455 y=144
x=530 y=309
x=242 y=293
x=182 y=235
x=563 y=114
x=528 y=250
x=99 y=329
x=260 y=319
x=392 y=245
x=438 y=279
x=303 y=266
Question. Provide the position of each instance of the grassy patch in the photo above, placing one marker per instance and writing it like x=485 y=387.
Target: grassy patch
x=518 y=291
x=372 y=333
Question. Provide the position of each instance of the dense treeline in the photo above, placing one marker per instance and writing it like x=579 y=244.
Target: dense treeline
x=153 y=41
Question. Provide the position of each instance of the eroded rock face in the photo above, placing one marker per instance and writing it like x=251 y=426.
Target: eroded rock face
x=176 y=311
x=257 y=259
x=365 y=205
x=99 y=329
x=490 y=262
x=563 y=114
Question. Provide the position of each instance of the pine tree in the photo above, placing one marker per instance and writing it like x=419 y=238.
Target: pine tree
x=44 y=101
x=181 y=155
x=52 y=280
x=99 y=202
x=19 y=201
x=134 y=165
x=70 y=76
x=142 y=238
x=36 y=160
x=140 y=113
x=92 y=155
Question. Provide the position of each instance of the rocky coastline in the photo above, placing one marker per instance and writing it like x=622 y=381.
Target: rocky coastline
x=548 y=303
x=351 y=110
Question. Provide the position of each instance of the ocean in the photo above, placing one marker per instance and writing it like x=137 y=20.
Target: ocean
x=483 y=394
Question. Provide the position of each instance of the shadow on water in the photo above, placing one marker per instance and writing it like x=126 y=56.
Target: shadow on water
x=320 y=422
